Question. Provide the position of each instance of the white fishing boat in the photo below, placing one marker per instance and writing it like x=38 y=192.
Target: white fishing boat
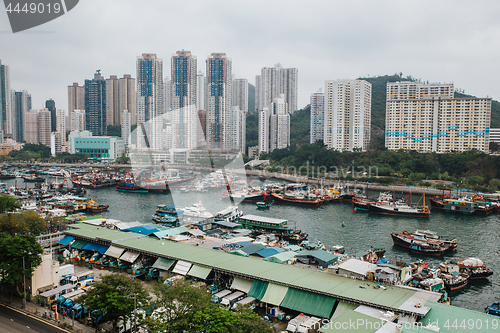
x=197 y=210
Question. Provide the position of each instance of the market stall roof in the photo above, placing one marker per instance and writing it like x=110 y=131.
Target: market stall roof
x=78 y=244
x=275 y=294
x=130 y=256
x=307 y=302
x=114 y=252
x=96 y=247
x=182 y=267
x=242 y=284
x=66 y=240
x=199 y=272
x=163 y=263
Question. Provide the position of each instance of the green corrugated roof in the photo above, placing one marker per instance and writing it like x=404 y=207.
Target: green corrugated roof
x=319 y=254
x=199 y=272
x=281 y=257
x=446 y=315
x=352 y=321
x=391 y=297
x=341 y=308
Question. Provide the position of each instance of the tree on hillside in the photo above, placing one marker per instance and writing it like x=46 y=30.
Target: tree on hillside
x=8 y=204
x=19 y=256
x=185 y=308
x=114 y=297
x=114 y=130
x=26 y=222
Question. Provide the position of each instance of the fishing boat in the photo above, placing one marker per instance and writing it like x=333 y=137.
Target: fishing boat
x=279 y=227
x=428 y=248
x=262 y=178
x=339 y=249
x=170 y=211
x=298 y=200
x=165 y=219
x=452 y=277
x=419 y=243
x=229 y=214
x=31 y=178
x=475 y=205
x=398 y=208
x=262 y=205
x=129 y=185
x=361 y=203
x=493 y=309
x=475 y=267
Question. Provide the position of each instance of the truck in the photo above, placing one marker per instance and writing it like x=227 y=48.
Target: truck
x=232 y=298
x=219 y=295
x=312 y=325
x=293 y=325
x=153 y=273
x=66 y=270
x=77 y=311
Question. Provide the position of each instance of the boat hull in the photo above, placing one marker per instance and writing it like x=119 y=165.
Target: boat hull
x=373 y=209
x=296 y=202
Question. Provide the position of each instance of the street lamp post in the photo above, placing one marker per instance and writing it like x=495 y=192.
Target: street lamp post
x=24 y=284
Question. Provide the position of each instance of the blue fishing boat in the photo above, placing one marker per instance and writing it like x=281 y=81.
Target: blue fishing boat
x=493 y=309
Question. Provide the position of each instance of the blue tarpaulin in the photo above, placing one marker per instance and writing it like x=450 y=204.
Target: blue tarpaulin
x=66 y=240
x=96 y=247
x=144 y=230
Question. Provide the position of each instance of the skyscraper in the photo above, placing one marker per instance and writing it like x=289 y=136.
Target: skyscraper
x=264 y=130
x=238 y=129
x=288 y=86
x=279 y=124
x=274 y=81
x=149 y=100
x=95 y=105
x=218 y=102
x=76 y=98
x=183 y=100
x=50 y=104
x=348 y=111
x=77 y=120
x=126 y=126
x=427 y=118
x=240 y=94
x=31 y=127
x=200 y=91
x=61 y=126
x=120 y=95
x=317 y=116
x=21 y=104
x=44 y=127
x=5 y=100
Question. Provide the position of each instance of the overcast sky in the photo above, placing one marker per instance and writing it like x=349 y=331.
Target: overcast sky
x=439 y=41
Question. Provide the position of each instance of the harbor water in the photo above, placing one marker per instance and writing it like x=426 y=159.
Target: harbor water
x=338 y=224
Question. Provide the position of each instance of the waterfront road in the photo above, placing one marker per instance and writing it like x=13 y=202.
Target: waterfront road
x=15 y=321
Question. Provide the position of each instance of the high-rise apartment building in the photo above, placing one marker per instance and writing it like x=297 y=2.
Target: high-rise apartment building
x=77 y=120
x=240 y=94
x=200 y=91
x=76 y=98
x=218 y=102
x=95 y=105
x=120 y=95
x=21 y=104
x=317 y=116
x=44 y=126
x=6 y=124
x=167 y=84
x=258 y=92
x=288 y=80
x=31 y=127
x=347 y=114
x=126 y=126
x=183 y=100
x=274 y=81
x=427 y=118
x=264 y=130
x=279 y=134
x=50 y=104
x=238 y=129
x=61 y=126
x=149 y=101
x=55 y=143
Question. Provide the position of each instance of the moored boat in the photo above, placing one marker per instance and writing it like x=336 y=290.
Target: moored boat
x=262 y=205
x=296 y=200
x=493 y=309
x=452 y=277
x=475 y=267
x=399 y=208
